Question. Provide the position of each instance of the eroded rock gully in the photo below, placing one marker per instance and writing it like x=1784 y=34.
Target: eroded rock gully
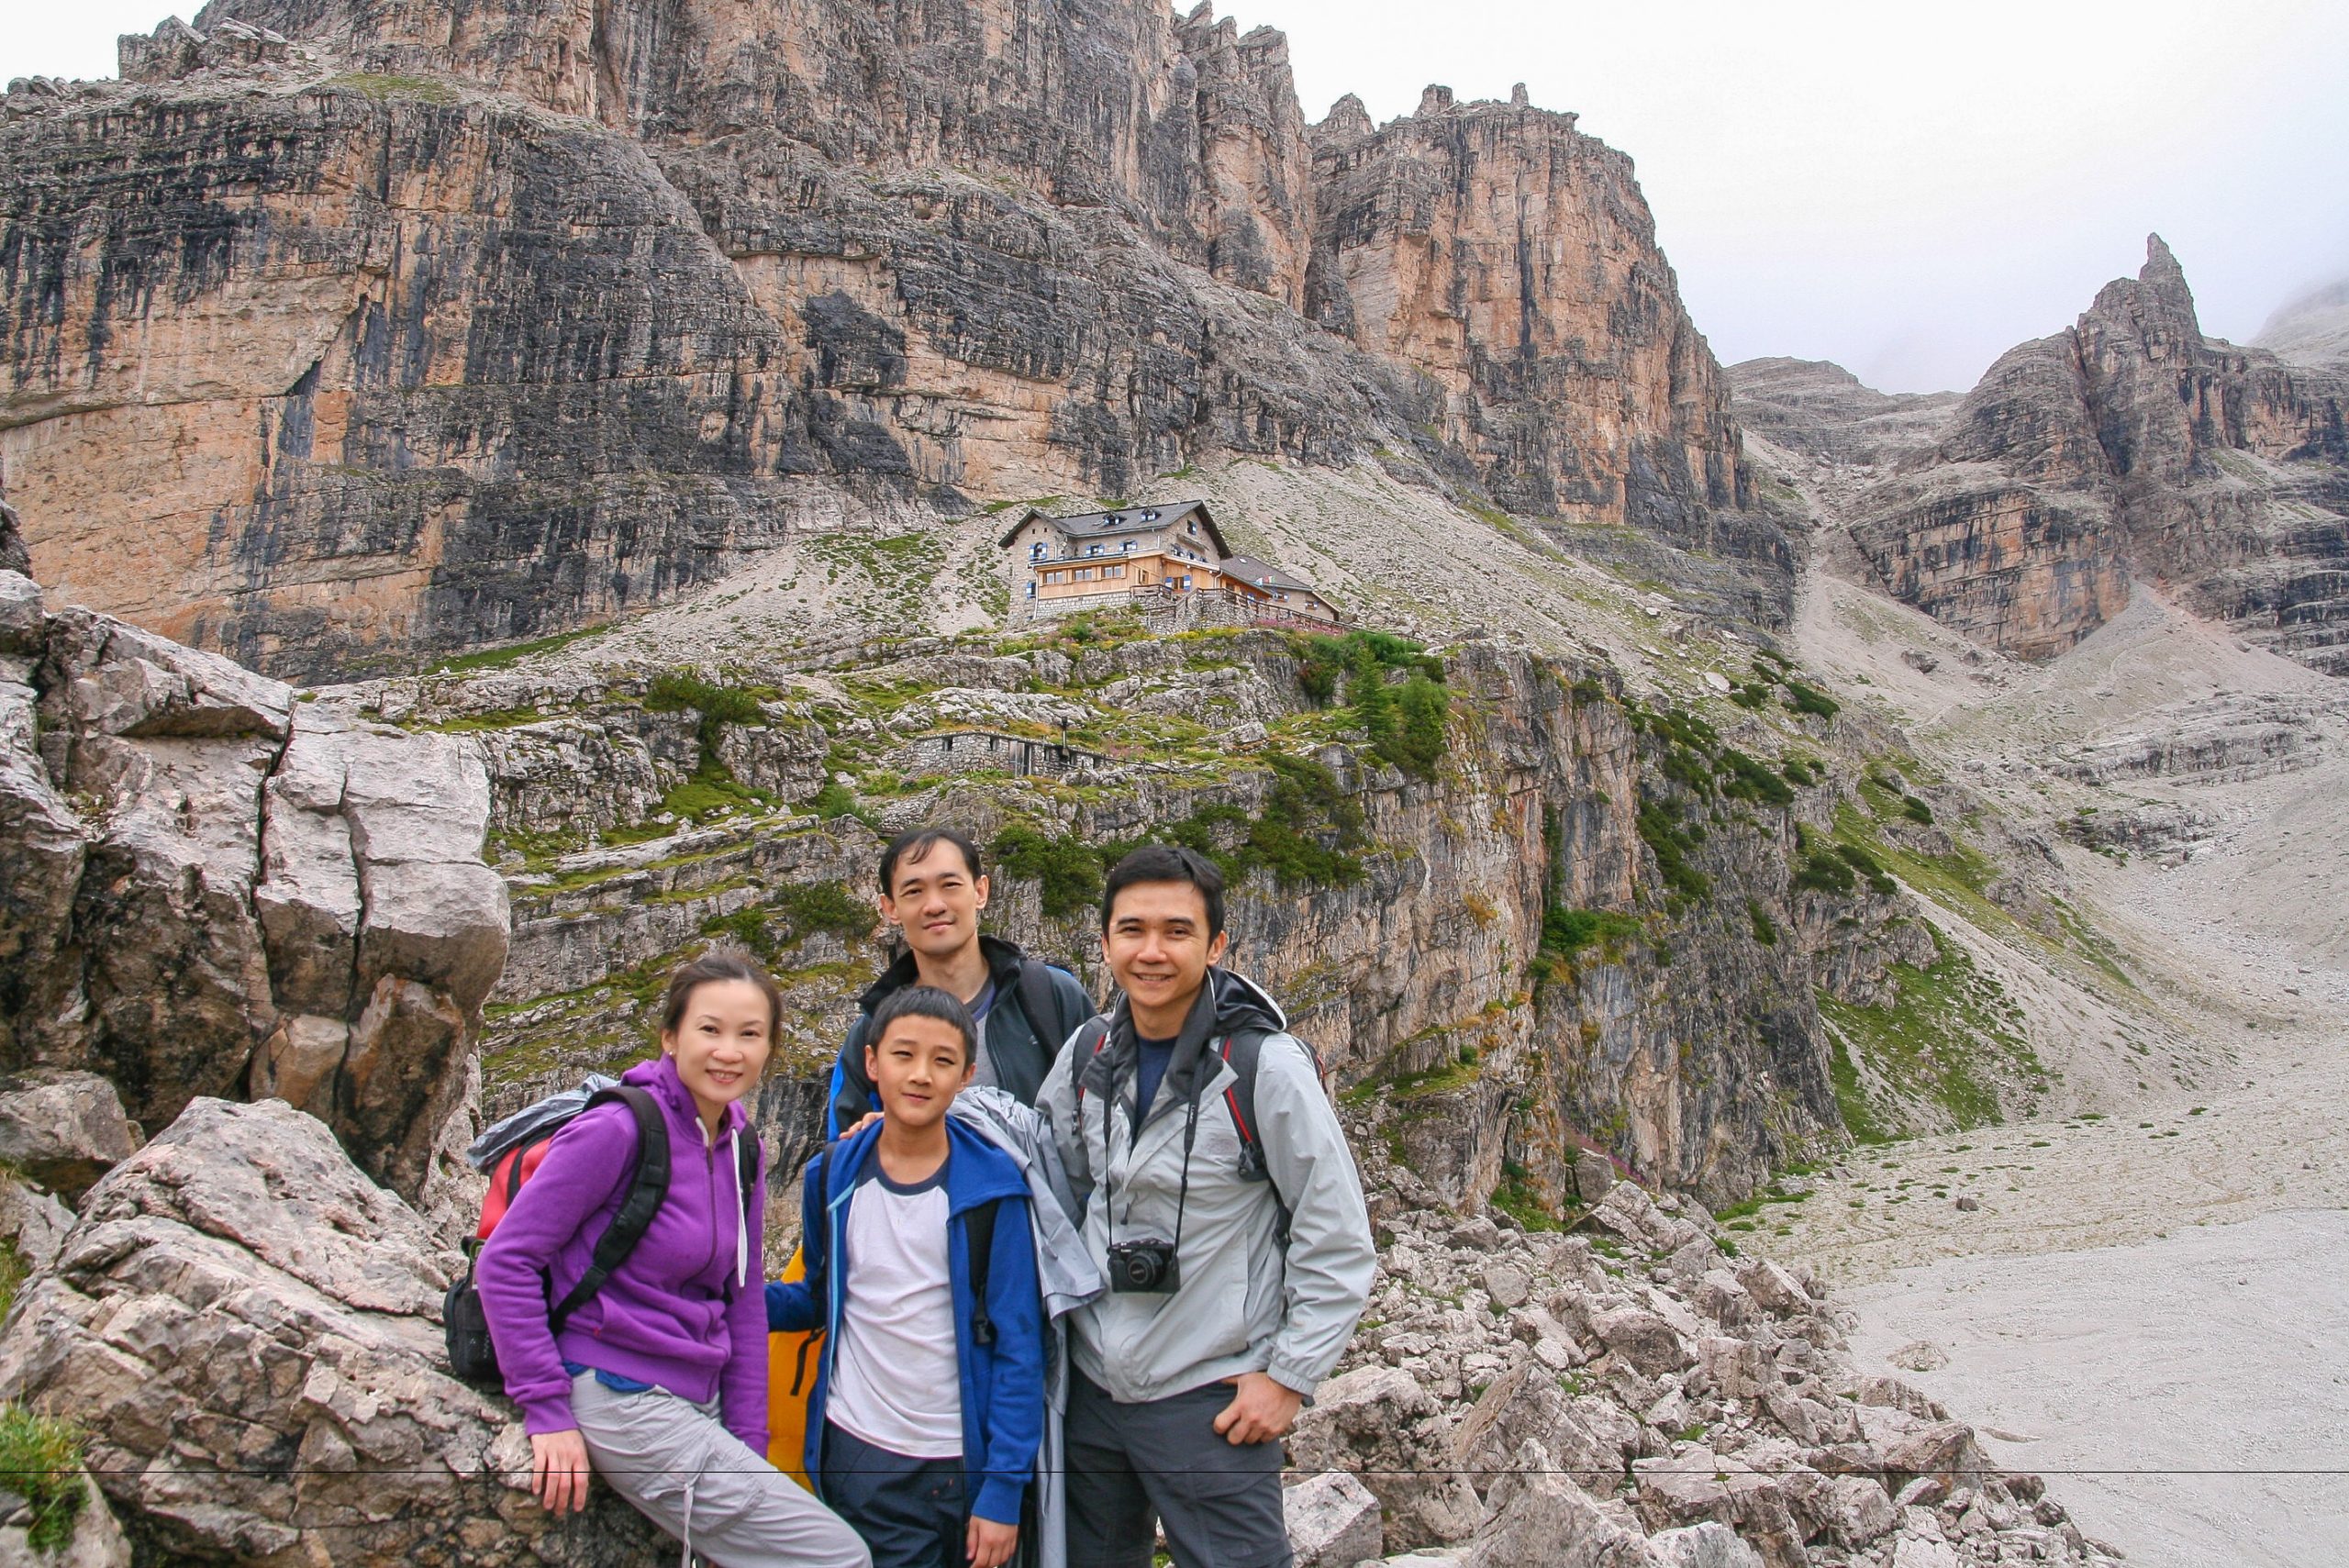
x=305 y=314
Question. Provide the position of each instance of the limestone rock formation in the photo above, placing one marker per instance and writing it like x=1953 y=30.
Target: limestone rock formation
x=207 y=887
x=1486 y=245
x=2128 y=447
x=842 y=270
x=245 y=1326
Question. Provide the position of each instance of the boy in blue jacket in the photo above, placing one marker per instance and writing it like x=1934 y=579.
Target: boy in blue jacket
x=929 y=1403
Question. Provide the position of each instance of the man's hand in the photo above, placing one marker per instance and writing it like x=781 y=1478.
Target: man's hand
x=558 y=1471
x=867 y=1119
x=1259 y=1411
x=989 y=1544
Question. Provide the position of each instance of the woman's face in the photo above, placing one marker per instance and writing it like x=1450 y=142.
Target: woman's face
x=721 y=1043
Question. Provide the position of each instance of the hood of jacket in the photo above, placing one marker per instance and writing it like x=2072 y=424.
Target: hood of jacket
x=659 y=1078
x=977 y=1169
x=1003 y=958
x=1228 y=1004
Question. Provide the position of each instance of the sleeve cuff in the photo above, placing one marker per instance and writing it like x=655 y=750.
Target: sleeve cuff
x=998 y=1500
x=1297 y=1380
x=551 y=1414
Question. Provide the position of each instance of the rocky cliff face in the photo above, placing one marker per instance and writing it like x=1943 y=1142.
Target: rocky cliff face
x=310 y=358
x=1512 y=258
x=2130 y=446
x=210 y=889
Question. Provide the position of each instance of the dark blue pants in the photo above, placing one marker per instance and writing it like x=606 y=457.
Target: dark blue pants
x=911 y=1512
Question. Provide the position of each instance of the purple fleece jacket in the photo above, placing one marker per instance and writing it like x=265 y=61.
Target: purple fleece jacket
x=672 y=1315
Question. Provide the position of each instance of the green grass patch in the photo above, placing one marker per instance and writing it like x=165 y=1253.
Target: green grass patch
x=1517 y=1199
x=1949 y=1037
x=14 y=1271
x=499 y=719
x=41 y=1460
x=513 y=653
x=381 y=86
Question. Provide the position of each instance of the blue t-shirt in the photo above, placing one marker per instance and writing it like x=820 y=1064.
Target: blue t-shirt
x=1150 y=1071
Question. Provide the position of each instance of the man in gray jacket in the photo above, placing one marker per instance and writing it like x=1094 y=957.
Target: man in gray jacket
x=1238 y=1256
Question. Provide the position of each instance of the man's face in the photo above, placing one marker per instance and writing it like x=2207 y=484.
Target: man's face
x=1157 y=944
x=936 y=901
x=916 y=1067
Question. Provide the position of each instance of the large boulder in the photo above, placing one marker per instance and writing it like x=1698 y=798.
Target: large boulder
x=1377 y=1422
x=63 y=1128
x=1332 y=1521
x=207 y=888
x=246 y=1327
x=1538 y=1516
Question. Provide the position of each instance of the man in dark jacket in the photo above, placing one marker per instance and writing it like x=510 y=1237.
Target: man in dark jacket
x=933 y=890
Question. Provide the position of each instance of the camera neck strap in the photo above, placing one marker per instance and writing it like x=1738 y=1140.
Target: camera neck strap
x=1183 y=1189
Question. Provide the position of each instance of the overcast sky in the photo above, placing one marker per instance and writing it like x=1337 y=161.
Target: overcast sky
x=1905 y=188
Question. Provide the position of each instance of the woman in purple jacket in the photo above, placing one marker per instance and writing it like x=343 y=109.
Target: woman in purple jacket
x=660 y=1380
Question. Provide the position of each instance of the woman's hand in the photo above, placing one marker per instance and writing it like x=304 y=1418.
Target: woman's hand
x=867 y=1119
x=989 y=1544
x=558 y=1471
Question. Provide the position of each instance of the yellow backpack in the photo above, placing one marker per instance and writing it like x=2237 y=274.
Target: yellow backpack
x=792 y=1361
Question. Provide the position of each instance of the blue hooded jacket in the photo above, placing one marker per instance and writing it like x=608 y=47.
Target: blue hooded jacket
x=1002 y=1382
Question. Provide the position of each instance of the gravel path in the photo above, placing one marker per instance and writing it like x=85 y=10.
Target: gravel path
x=2137 y=1378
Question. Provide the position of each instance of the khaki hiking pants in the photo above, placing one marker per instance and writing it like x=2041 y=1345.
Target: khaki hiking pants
x=695 y=1479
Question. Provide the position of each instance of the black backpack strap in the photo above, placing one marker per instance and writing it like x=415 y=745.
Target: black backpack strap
x=1244 y=1052
x=978 y=1236
x=1040 y=1001
x=648 y=1188
x=1087 y=1042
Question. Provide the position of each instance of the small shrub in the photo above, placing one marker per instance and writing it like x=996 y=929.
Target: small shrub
x=1803 y=697
x=1916 y=810
x=836 y=800
x=1823 y=871
x=1672 y=844
x=1068 y=870
x=830 y=907
x=1749 y=779
x=1765 y=930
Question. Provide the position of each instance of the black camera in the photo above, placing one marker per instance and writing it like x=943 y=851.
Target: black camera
x=1143 y=1268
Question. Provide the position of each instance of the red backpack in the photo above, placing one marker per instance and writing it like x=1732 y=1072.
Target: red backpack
x=472 y=1355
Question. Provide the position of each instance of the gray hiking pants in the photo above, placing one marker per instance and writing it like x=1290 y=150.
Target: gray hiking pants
x=695 y=1479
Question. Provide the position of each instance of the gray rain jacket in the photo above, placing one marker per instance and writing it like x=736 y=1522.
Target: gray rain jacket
x=1245 y=1303
x=1064 y=1271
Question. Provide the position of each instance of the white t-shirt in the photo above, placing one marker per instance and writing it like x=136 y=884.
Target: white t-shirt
x=896 y=1381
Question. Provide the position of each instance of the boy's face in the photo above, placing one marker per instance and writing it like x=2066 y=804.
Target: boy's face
x=918 y=1066
x=936 y=901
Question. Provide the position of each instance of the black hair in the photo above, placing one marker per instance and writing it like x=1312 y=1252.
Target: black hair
x=924 y=1002
x=717 y=965
x=913 y=846
x=1166 y=863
